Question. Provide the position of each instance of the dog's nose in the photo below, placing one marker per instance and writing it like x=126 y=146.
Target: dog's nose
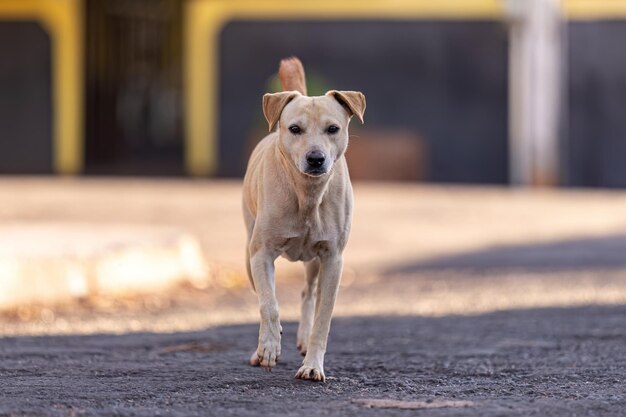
x=315 y=159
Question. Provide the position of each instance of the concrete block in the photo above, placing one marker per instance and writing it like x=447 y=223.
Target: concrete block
x=46 y=263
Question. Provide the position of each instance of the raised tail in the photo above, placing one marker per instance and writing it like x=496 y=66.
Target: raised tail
x=291 y=74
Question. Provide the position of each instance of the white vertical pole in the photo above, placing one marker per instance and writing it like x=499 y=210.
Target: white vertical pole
x=534 y=91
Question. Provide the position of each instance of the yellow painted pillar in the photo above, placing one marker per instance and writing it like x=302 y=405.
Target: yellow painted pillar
x=63 y=20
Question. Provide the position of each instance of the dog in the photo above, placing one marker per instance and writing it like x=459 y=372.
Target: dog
x=297 y=203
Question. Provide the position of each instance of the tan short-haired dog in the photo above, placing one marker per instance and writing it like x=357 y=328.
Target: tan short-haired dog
x=297 y=203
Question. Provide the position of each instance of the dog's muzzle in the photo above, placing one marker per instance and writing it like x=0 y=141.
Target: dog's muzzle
x=315 y=163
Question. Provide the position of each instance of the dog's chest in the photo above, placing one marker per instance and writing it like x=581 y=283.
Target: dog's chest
x=303 y=248
x=315 y=228
x=307 y=243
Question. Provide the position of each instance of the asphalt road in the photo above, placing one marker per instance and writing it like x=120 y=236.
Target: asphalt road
x=454 y=301
x=557 y=362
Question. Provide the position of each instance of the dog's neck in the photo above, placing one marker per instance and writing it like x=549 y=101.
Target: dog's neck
x=309 y=191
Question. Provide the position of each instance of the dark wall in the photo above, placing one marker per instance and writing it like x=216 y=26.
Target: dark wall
x=25 y=99
x=445 y=81
x=133 y=81
x=597 y=104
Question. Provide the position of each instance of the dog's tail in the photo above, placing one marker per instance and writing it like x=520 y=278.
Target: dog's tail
x=291 y=74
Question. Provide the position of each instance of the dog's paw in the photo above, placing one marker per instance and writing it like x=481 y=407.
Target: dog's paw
x=311 y=373
x=267 y=355
x=301 y=345
x=302 y=341
x=268 y=352
x=254 y=359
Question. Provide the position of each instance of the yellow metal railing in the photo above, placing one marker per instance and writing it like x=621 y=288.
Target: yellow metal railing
x=594 y=9
x=63 y=20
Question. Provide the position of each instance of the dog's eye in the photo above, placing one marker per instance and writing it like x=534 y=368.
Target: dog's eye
x=295 y=129
x=332 y=129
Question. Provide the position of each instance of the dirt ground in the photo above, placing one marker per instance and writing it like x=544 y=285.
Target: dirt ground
x=455 y=302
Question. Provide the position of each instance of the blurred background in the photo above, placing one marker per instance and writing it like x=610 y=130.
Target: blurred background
x=125 y=128
x=469 y=91
x=486 y=260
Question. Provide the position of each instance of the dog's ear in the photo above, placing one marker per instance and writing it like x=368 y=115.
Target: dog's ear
x=353 y=101
x=274 y=103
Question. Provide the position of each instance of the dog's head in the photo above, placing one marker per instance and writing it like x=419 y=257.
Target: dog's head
x=313 y=131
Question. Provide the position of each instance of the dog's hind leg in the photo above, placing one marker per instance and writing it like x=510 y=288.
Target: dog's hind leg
x=249 y=220
x=312 y=269
x=249 y=269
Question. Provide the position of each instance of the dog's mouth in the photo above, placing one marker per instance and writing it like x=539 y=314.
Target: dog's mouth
x=315 y=172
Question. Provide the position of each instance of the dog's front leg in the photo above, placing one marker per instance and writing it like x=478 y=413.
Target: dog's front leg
x=262 y=268
x=328 y=284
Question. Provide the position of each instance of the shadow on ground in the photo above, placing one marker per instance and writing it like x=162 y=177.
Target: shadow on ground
x=559 y=362
x=594 y=252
